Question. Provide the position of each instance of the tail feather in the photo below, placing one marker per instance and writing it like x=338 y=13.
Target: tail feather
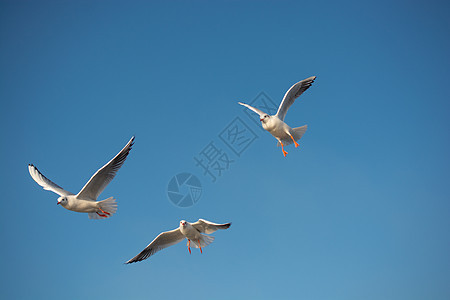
x=296 y=133
x=109 y=205
x=205 y=240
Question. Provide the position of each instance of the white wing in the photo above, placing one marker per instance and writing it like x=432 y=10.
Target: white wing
x=209 y=227
x=259 y=112
x=293 y=93
x=103 y=176
x=163 y=240
x=46 y=183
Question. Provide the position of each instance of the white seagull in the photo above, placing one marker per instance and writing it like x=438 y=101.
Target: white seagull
x=86 y=200
x=190 y=231
x=275 y=124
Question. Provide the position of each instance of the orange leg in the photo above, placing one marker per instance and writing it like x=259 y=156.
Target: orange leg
x=104 y=216
x=189 y=246
x=200 y=245
x=282 y=149
x=104 y=211
x=295 y=142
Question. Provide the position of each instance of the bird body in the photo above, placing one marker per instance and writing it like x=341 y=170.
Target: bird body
x=276 y=127
x=85 y=206
x=79 y=205
x=86 y=200
x=195 y=233
x=189 y=231
x=275 y=124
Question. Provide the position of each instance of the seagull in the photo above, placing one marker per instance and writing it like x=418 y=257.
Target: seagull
x=193 y=232
x=275 y=124
x=86 y=200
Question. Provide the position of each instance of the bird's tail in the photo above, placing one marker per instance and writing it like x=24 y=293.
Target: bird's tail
x=205 y=240
x=297 y=134
x=107 y=207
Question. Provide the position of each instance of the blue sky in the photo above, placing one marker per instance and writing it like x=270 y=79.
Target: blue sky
x=360 y=211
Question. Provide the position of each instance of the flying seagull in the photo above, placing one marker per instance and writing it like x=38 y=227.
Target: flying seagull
x=86 y=200
x=275 y=124
x=193 y=232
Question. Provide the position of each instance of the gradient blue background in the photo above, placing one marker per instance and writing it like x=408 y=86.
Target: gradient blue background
x=360 y=211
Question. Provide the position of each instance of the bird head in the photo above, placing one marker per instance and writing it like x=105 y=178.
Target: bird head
x=183 y=223
x=62 y=200
x=264 y=118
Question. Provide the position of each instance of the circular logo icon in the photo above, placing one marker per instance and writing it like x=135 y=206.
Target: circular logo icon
x=184 y=190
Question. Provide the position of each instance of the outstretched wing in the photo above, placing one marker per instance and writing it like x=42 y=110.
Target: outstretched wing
x=293 y=93
x=259 y=112
x=103 y=176
x=209 y=227
x=46 y=183
x=163 y=240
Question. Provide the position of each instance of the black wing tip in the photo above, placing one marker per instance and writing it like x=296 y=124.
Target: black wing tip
x=227 y=225
x=133 y=260
x=140 y=257
x=131 y=142
x=34 y=168
x=130 y=262
x=311 y=79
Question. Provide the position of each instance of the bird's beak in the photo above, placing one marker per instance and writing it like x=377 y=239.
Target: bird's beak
x=58 y=203
x=261 y=119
